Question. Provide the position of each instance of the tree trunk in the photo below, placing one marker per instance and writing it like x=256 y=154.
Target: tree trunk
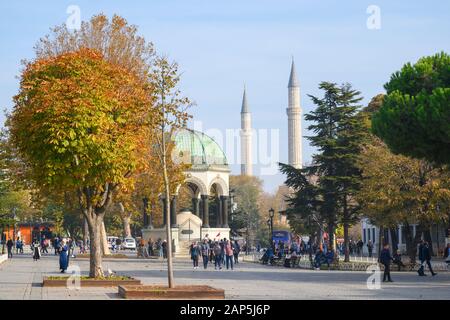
x=346 y=227
x=104 y=239
x=427 y=236
x=394 y=238
x=126 y=218
x=346 y=243
x=381 y=239
x=331 y=237
x=167 y=205
x=411 y=243
x=126 y=226
x=85 y=232
x=95 y=235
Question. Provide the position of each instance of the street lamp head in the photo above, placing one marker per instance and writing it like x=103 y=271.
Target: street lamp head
x=271 y=212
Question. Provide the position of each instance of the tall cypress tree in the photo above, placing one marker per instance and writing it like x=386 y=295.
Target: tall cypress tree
x=338 y=134
x=325 y=120
x=350 y=136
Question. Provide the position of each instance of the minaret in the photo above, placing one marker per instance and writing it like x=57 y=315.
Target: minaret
x=294 y=113
x=246 y=138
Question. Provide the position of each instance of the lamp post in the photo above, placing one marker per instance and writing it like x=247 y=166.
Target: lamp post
x=271 y=214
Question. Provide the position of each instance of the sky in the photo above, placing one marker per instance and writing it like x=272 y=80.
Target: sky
x=222 y=45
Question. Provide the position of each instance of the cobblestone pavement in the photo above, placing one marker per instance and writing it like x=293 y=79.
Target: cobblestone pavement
x=21 y=278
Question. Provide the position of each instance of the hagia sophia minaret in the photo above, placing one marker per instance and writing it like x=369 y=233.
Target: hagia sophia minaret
x=246 y=138
x=294 y=113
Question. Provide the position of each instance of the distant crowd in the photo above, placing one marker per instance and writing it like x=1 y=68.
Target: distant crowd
x=222 y=252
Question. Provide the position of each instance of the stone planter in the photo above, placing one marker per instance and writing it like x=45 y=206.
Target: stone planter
x=90 y=282
x=164 y=293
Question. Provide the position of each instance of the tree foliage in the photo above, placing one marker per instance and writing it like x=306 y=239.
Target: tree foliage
x=399 y=189
x=414 y=119
x=76 y=124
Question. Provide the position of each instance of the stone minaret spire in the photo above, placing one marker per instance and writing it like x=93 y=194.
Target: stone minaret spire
x=246 y=138
x=294 y=113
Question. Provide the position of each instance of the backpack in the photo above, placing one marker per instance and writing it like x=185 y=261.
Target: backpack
x=217 y=250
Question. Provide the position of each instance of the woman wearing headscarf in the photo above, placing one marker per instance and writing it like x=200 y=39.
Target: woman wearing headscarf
x=63 y=257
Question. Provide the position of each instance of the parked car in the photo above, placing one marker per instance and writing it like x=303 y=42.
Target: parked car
x=129 y=243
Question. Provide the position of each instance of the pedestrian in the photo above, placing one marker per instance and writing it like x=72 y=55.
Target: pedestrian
x=385 y=259
x=10 y=245
x=447 y=254
x=150 y=247
x=370 y=248
x=56 y=243
x=63 y=256
x=222 y=256
x=236 y=250
x=194 y=251
x=205 y=251
x=425 y=257
x=17 y=245
x=359 y=247
x=217 y=250
x=229 y=254
x=397 y=259
x=164 y=249
x=211 y=251
x=36 y=251
x=159 y=247
x=44 y=245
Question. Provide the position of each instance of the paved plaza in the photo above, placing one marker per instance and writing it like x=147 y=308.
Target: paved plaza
x=21 y=278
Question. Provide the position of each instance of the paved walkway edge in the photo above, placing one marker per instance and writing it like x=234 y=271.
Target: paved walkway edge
x=3 y=258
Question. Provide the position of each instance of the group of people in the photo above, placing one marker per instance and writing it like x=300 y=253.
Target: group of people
x=424 y=252
x=220 y=252
x=153 y=248
x=64 y=247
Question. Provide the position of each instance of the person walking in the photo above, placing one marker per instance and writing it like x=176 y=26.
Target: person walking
x=359 y=247
x=159 y=247
x=63 y=256
x=222 y=245
x=150 y=247
x=164 y=249
x=44 y=245
x=236 y=250
x=194 y=250
x=36 y=251
x=211 y=251
x=217 y=250
x=17 y=245
x=447 y=254
x=56 y=243
x=370 y=248
x=385 y=260
x=10 y=245
x=229 y=254
x=205 y=251
x=425 y=257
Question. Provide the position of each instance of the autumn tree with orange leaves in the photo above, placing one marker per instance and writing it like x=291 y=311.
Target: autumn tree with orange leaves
x=77 y=123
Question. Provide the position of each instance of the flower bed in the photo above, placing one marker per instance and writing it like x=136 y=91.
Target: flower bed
x=165 y=293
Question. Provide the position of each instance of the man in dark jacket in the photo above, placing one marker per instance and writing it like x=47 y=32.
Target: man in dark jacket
x=10 y=245
x=425 y=257
x=385 y=260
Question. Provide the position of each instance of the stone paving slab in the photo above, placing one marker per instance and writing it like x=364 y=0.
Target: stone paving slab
x=21 y=278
